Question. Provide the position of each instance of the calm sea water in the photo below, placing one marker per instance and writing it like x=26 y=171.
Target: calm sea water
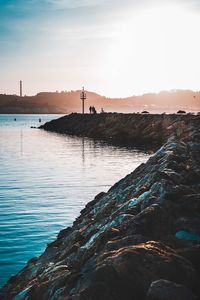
x=45 y=180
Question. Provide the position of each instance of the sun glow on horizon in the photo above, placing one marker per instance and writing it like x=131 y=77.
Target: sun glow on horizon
x=117 y=49
x=156 y=50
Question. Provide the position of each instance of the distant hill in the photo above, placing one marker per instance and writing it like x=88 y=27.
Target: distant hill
x=67 y=102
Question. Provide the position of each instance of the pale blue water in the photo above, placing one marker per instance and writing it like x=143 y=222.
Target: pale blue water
x=45 y=180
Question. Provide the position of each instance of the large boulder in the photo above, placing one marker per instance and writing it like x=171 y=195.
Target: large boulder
x=168 y=290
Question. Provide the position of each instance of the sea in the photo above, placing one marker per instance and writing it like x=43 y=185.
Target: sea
x=45 y=180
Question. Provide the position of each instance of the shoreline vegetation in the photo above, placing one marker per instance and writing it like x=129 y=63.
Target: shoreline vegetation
x=141 y=239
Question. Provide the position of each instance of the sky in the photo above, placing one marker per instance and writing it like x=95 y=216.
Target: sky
x=112 y=47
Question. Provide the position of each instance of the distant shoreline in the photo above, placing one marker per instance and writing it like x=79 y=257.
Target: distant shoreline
x=33 y=114
x=69 y=101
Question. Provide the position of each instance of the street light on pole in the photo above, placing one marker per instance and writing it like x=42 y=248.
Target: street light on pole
x=83 y=98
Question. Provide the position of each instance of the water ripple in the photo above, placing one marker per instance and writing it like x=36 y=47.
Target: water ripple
x=45 y=180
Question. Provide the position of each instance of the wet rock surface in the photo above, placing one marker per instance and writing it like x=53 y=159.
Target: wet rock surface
x=138 y=241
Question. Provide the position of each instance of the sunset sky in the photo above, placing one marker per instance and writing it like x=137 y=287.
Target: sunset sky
x=113 y=47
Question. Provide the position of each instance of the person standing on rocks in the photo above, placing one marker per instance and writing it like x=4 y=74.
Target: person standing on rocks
x=94 y=110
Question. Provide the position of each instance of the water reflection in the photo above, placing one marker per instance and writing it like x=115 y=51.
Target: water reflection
x=83 y=150
x=46 y=179
x=21 y=141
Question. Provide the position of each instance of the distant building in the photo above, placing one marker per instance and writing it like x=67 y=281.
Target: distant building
x=20 y=84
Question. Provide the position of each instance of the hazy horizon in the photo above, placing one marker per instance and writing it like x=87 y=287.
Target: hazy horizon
x=112 y=48
x=102 y=95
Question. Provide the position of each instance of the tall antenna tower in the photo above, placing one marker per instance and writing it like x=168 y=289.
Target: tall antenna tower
x=20 y=83
x=83 y=98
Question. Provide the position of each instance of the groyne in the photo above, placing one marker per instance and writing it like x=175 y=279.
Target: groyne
x=137 y=130
x=141 y=239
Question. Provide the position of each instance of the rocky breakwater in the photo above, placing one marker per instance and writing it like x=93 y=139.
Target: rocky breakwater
x=138 y=241
x=148 y=131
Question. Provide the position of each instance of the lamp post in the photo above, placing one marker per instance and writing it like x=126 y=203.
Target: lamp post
x=83 y=98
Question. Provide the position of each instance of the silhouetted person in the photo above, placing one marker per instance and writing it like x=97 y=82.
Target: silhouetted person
x=90 y=109
x=94 y=110
x=40 y=120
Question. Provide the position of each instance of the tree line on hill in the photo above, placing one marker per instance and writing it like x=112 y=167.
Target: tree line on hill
x=69 y=101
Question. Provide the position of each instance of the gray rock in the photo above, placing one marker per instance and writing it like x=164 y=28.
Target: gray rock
x=168 y=290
